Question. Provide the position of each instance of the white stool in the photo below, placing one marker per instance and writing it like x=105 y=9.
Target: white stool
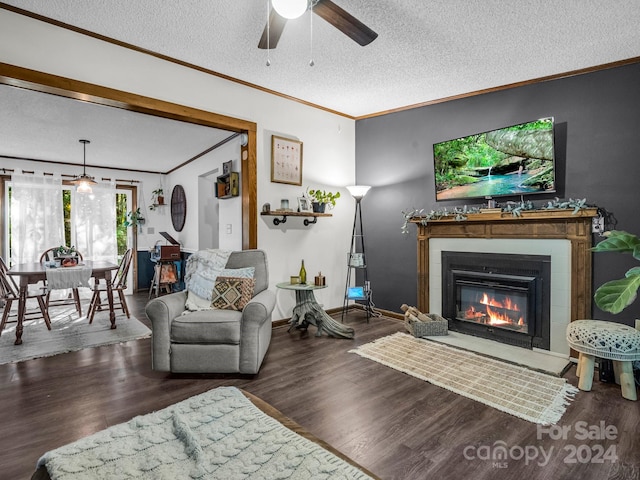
x=610 y=340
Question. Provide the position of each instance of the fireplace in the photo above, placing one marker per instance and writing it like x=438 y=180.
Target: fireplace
x=563 y=235
x=503 y=297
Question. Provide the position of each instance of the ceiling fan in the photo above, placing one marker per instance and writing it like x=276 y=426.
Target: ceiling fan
x=325 y=9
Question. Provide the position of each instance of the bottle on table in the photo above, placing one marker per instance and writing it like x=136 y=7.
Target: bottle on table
x=303 y=274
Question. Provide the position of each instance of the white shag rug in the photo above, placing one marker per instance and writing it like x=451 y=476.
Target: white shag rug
x=519 y=391
x=68 y=333
x=217 y=434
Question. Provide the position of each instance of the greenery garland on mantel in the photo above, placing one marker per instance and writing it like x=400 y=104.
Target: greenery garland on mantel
x=459 y=214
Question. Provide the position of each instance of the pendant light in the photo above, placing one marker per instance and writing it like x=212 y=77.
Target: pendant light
x=290 y=9
x=84 y=182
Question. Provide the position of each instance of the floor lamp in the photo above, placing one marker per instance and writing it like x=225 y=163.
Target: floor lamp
x=357 y=259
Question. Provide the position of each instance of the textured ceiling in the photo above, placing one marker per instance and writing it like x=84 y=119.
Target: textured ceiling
x=47 y=127
x=425 y=51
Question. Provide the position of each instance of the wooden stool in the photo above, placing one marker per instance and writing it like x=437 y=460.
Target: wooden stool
x=164 y=277
x=614 y=341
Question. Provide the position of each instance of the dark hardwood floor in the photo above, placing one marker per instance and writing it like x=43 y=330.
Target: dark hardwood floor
x=397 y=426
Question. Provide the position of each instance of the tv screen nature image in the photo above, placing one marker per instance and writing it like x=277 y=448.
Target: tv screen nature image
x=515 y=160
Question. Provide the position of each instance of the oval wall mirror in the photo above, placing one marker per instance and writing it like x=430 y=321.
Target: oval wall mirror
x=178 y=208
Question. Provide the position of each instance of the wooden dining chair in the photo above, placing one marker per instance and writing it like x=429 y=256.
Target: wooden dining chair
x=9 y=293
x=49 y=256
x=119 y=285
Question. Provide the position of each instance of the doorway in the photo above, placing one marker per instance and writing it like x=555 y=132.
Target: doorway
x=208 y=211
x=82 y=91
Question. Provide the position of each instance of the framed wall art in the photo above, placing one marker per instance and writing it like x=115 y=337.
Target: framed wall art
x=286 y=160
x=304 y=205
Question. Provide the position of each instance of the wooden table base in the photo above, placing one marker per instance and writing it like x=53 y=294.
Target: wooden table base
x=308 y=312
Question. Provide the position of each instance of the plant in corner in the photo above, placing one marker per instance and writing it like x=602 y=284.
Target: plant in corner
x=321 y=199
x=615 y=295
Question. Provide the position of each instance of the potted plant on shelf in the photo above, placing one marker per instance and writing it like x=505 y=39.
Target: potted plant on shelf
x=157 y=199
x=134 y=218
x=321 y=199
x=615 y=295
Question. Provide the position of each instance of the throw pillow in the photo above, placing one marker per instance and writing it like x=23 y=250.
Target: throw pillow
x=197 y=302
x=232 y=293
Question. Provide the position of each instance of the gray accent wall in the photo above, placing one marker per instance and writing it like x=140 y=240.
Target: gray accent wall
x=597 y=135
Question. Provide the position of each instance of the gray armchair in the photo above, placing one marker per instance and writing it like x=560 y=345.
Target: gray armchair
x=214 y=341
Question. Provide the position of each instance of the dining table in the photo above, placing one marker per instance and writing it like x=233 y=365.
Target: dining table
x=32 y=273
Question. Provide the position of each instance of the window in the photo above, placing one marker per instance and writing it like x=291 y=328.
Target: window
x=123 y=202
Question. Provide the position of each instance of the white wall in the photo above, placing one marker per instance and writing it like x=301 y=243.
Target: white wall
x=329 y=140
x=230 y=210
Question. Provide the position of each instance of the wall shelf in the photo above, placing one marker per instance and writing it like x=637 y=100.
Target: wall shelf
x=285 y=214
x=227 y=185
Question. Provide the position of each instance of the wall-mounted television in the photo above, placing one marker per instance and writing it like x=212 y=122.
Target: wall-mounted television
x=514 y=160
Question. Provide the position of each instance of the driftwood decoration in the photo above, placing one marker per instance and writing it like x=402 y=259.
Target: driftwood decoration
x=308 y=312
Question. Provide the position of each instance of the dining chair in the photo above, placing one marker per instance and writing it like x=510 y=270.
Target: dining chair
x=49 y=256
x=9 y=293
x=119 y=284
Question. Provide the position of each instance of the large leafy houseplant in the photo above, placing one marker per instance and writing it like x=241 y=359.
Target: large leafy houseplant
x=615 y=295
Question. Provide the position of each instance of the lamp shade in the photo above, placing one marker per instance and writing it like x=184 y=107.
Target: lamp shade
x=84 y=186
x=290 y=8
x=84 y=182
x=358 y=191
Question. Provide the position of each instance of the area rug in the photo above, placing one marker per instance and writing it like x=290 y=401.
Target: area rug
x=217 y=434
x=68 y=333
x=519 y=391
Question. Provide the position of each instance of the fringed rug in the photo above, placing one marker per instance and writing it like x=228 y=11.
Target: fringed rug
x=217 y=434
x=68 y=333
x=519 y=391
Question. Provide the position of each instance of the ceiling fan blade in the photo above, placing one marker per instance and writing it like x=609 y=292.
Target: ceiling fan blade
x=345 y=22
x=276 y=26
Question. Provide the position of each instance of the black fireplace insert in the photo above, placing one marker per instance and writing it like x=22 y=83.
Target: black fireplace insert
x=503 y=297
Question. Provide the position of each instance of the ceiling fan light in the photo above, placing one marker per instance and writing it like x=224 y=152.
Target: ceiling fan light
x=290 y=8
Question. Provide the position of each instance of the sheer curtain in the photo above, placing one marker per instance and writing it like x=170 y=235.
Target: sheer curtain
x=37 y=220
x=94 y=222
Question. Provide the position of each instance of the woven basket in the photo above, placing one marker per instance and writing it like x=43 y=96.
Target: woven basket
x=438 y=326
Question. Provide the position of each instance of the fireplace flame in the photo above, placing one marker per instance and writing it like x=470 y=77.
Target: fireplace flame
x=499 y=318
x=506 y=304
x=496 y=312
